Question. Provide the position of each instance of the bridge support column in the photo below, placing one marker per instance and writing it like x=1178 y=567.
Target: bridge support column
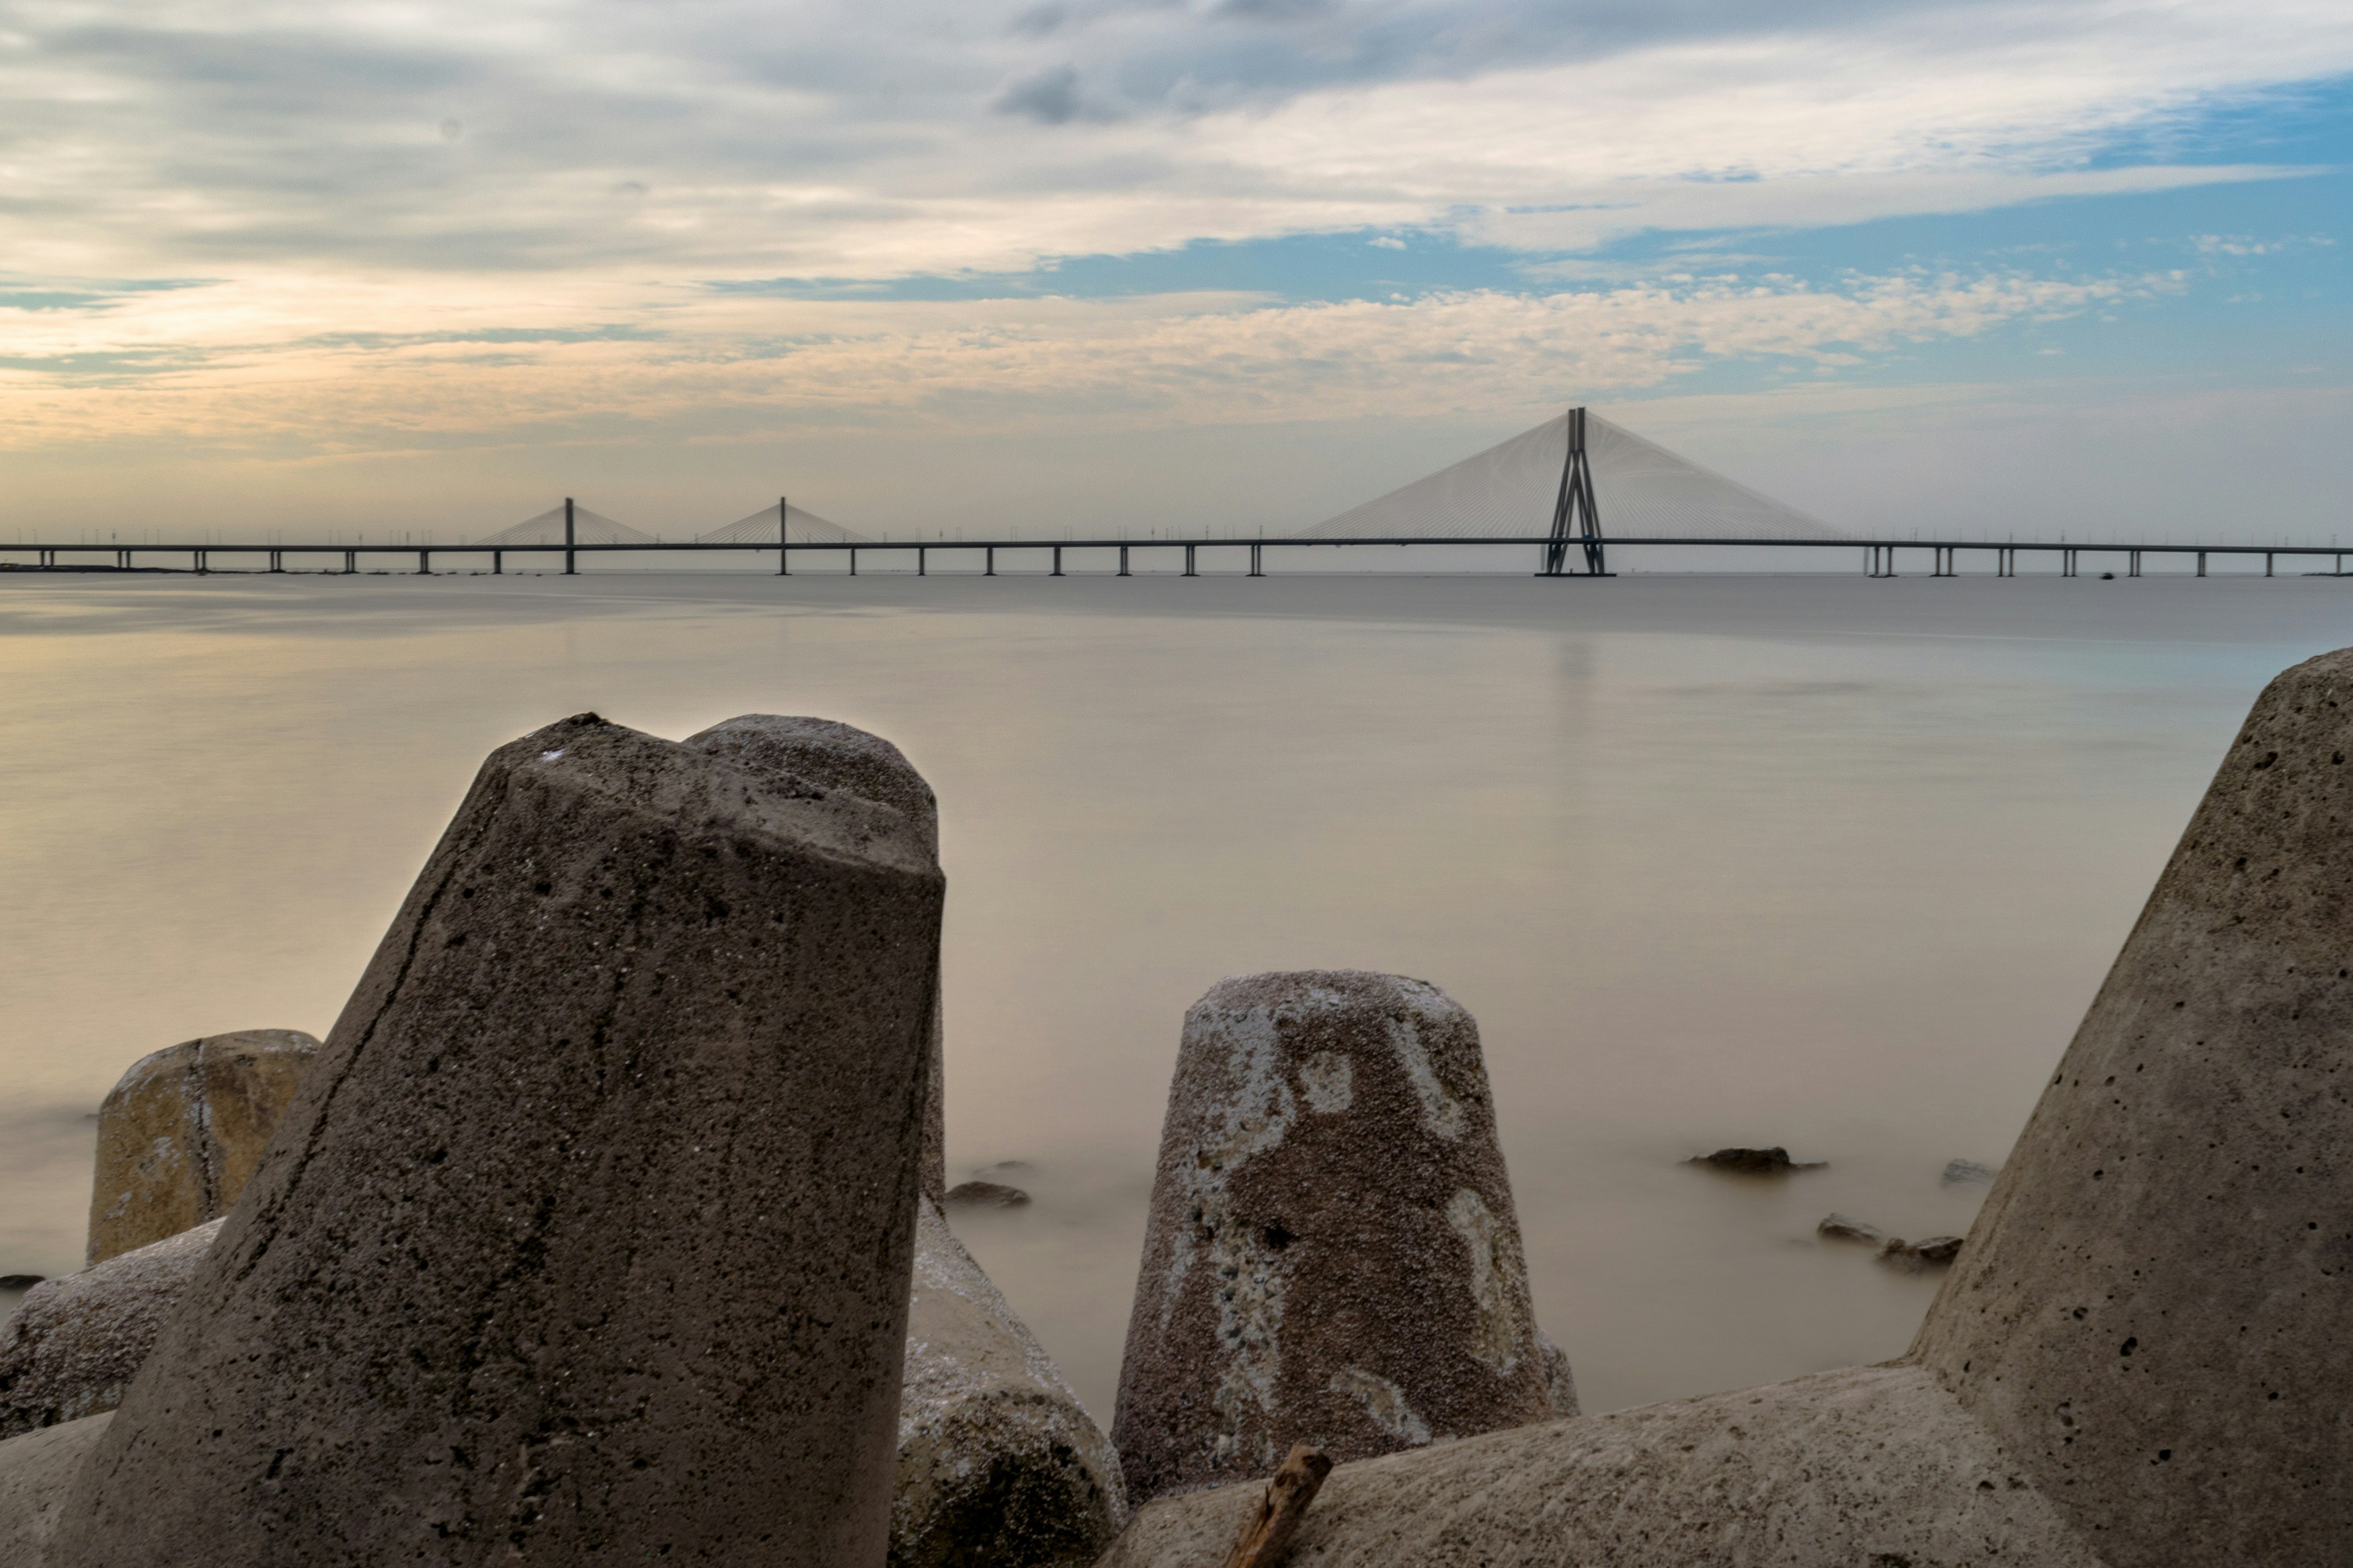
x=1189 y=571
x=2267 y=562
x=1941 y=562
x=498 y=563
x=853 y=560
x=202 y=561
x=425 y=564
x=2201 y=563
x=989 y=562
x=277 y=561
x=1058 y=560
x=923 y=562
x=2066 y=564
x=350 y=562
x=1122 y=559
x=2132 y=566
x=1258 y=563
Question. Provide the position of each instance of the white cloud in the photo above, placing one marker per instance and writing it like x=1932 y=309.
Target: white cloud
x=278 y=367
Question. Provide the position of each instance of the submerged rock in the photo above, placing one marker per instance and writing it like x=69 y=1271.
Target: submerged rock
x=1332 y=1249
x=1755 y=1162
x=1846 y=1227
x=74 y=1344
x=1957 y=1171
x=986 y=1195
x=592 y=1232
x=999 y=1463
x=181 y=1132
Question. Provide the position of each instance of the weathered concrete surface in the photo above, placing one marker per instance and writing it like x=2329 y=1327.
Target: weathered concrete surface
x=179 y=1135
x=2152 y=1308
x=37 y=1470
x=74 y=1343
x=1869 y=1467
x=589 y=1237
x=823 y=755
x=999 y=1463
x=1331 y=1255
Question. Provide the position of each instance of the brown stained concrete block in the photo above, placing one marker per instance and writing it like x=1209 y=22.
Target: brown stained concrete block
x=180 y=1134
x=1869 y=1467
x=1332 y=1254
x=73 y=1344
x=589 y=1235
x=998 y=1462
x=820 y=756
x=36 y=1471
x=2152 y=1309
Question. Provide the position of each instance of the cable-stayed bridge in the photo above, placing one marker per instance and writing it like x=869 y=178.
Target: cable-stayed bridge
x=1573 y=489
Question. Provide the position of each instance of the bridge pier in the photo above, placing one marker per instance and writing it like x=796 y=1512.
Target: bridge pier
x=2267 y=562
x=202 y=561
x=2066 y=564
x=277 y=561
x=1258 y=567
x=1943 y=561
x=1122 y=559
x=425 y=564
x=1058 y=560
x=923 y=561
x=2132 y=564
x=1189 y=571
x=498 y=563
x=853 y=560
x=350 y=562
x=2201 y=563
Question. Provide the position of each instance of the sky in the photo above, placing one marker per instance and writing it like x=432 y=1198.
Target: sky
x=1972 y=269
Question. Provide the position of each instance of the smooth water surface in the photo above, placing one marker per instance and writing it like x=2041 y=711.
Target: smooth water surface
x=1831 y=863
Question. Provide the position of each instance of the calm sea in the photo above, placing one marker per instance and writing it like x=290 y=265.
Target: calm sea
x=1830 y=863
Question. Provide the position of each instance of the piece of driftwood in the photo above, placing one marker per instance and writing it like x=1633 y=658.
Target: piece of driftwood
x=1271 y=1525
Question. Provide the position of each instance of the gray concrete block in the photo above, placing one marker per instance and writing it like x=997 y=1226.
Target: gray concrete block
x=823 y=755
x=999 y=1463
x=180 y=1134
x=74 y=1343
x=2152 y=1307
x=1332 y=1254
x=589 y=1235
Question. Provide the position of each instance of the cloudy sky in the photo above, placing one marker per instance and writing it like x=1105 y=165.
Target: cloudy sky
x=2009 y=266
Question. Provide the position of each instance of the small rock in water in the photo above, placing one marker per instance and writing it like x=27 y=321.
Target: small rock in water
x=1959 y=1170
x=1912 y=1255
x=987 y=1194
x=20 y=1281
x=1846 y=1227
x=1755 y=1162
x=1003 y=1168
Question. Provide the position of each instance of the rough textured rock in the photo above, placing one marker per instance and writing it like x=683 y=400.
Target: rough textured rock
x=36 y=1471
x=588 y=1238
x=180 y=1134
x=999 y=1463
x=1869 y=1467
x=1957 y=1171
x=1331 y=1255
x=1846 y=1227
x=1560 y=1378
x=1770 y=1161
x=74 y=1344
x=2151 y=1310
x=821 y=756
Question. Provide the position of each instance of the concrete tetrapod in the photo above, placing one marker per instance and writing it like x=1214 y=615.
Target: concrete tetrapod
x=2152 y=1309
x=999 y=1463
x=179 y=1134
x=589 y=1235
x=2139 y=1358
x=73 y=1344
x=825 y=755
x=1331 y=1255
